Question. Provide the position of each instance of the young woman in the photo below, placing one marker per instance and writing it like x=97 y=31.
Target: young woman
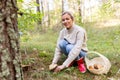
x=71 y=42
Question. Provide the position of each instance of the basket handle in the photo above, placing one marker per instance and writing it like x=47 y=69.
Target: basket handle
x=104 y=58
x=95 y=53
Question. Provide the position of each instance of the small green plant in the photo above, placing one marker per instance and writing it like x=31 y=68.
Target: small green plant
x=43 y=54
x=28 y=61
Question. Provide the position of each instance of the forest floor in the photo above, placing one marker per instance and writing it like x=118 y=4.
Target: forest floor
x=38 y=52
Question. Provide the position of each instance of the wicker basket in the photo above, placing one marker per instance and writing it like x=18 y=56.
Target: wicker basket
x=101 y=61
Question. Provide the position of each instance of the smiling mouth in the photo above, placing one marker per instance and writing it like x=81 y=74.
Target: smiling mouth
x=66 y=24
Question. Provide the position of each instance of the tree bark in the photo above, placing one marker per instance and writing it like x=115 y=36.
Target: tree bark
x=10 y=68
x=62 y=6
x=48 y=13
x=38 y=7
x=39 y=22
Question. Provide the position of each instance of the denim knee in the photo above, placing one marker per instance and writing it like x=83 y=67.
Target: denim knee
x=69 y=47
x=62 y=43
x=82 y=54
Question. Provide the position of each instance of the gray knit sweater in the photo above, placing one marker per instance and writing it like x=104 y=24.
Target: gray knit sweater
x=75 y=35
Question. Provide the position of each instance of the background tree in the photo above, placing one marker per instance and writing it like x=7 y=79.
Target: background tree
x=39 y=12
x=10 y=68
x=38 y=7
x=63 y=5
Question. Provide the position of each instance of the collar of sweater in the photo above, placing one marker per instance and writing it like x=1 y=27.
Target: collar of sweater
x=71 y=29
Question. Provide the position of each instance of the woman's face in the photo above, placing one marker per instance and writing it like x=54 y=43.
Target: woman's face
x=67 y=21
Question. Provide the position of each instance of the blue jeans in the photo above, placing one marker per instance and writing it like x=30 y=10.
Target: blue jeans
x=66 y=47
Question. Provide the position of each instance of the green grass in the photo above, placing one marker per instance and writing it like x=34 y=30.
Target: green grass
x=39 y=41
x=41 y=47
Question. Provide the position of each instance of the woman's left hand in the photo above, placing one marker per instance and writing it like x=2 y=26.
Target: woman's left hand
x=59 y=68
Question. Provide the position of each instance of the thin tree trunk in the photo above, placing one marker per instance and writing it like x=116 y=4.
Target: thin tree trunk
x=48 y=13
x=62 y=6
x=38 y=7
x=42 y=9
x=39 y=22
x=10 y=68
x=82 y=8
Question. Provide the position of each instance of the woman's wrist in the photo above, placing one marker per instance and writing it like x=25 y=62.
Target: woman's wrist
x=63 y=66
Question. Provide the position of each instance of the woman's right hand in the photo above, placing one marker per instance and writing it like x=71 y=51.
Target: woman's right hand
x=59 y=68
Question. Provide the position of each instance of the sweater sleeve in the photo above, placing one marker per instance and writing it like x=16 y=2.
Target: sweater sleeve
x=57 y=54
x=76 y=49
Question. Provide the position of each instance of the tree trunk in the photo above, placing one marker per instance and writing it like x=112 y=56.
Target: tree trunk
x=10 y=68
x=42 y=9
x=62 y=6
x=38 y=7
x=79 y=10
x=39 y=22
x=82 y=9
x=39 y=11
x=48 y=13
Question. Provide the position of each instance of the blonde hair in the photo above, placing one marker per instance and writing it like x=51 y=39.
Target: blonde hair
x=69 y=13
